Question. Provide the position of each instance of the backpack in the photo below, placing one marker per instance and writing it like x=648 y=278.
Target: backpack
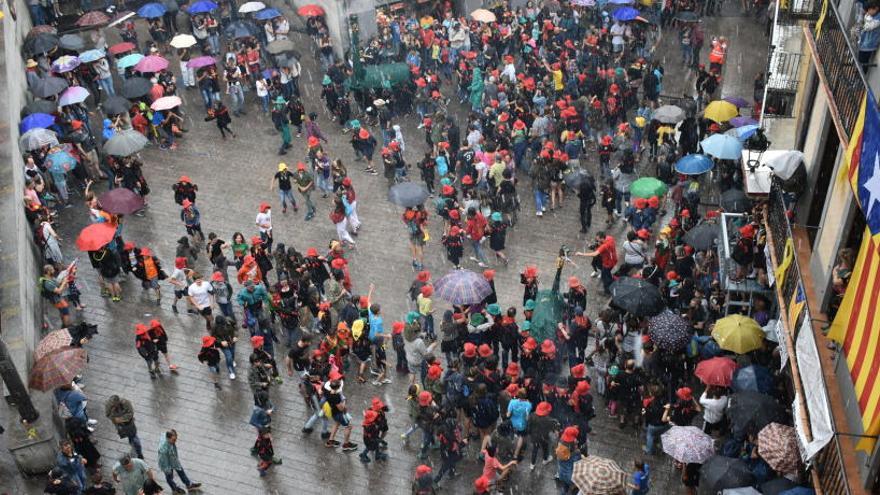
x=563 y=453
x=46 y=293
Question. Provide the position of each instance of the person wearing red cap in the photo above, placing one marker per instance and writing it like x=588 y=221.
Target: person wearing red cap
x=371 y=432
x=454 y=246
x=540 y=427
x=415 y=220
x=192 y=221
x=184 y=188
x=264 y=225
x=159 y=337
x=305 y=184
x=210 y=355
x=147 y=349
x=423 y=483
x=426 y=310
x=606 y=250
x=149 y=270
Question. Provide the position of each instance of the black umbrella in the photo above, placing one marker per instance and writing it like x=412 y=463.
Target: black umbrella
x=777 y=486
x=669 y=331
x=719 y=473
x=135 y=87
x=577 y=177
x=240 y=29
x=48 y=86
x=72 y=42
x=749 y=412
x=39 y=106
x=703 y=236
x=407 y=194
x=116 y=105
x=735 y=201
x=687 y=16
x=636 y=296
x=40 y=43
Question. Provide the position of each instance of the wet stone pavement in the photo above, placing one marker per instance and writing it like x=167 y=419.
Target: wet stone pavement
x=233 y=176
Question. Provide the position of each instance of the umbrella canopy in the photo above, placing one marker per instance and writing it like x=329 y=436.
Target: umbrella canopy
x=65 y=63
x=240 y=29
x=755 y=378
x=687 y=16
x=121 y=201
x=716 y=371
x=40 y=43
x=668 y=114
x=166 y=103
x=462 y=287
x=60 y=161
x=722 y=146
x=129 y=60
x=742 y=121
x=703 y=236
x=738 y=333
x=183 y=41
x=199 y=62
x=151 y=63
x=41 y=28
x=584 y=3
x=647 y=187
x=135 y=87
x=280 y=46
x=93 y=18
x=35 y=139
x=577 y=177
x=637 y=296
x=57 y=368
x=407 y=194
x=116 y=105
x=669 y=331
x=737 y=101
x=750 y=412
x=777 y=486
x=73 y=95
x=735 y=201
x=152 y=10
x=688 y=444
x=125 y=46
x=202 y=7
x=720 y=111
x=694 y=164
x=778 y=445
x=251 y=7
x=39 y=106
x=625 y=14
x=266 y=14
x=72 y=42
x=36 y=121
x=310 y=10
x=599 y=476
x=785 y=164
x=48 y=86
x=719 y=472
x=125 y=143
x=93 y=55
x=51 y=342
x=95 y=236
x=744 y=132
x=483 y=15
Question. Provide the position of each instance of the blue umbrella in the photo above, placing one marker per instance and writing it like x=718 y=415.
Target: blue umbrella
x=722 y=146
x=129 y=60
x=754 y=378
x=202 y=7
x=91 y=55
x=744 y=132
x=694 y=164
x=625 y=14
x=152 y=10
x=266 y=14
x=60 y=162
x=36 y=121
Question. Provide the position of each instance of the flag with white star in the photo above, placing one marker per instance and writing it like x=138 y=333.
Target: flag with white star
x=863 y=159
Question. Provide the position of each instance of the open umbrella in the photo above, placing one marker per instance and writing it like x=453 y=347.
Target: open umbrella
x=407 y=194
x=625 y=14
x=462 y=287
x=73 y=95
x=41 y=28
x=720 y=111
x=65 y=63
x=116 y=105
x=251 y=7
x=166 y=103
x=688 y=444
x=183 y=41
x=669 y=331
x=129 y=60
x=90 y=56
x=48 y=86
x=121 y=201
x=125 y=143
x=719 y=472
x=202 y=7
x=36 y=121
x=738 y=101
x=716 y=371
x=57 y=368
x=778 y=445
x=755 y=378
x=125 y=46
x=687 y=16
x=584 y=3
x=199 y=62
x=135 y=87
x=647 y=187
x=93 y=18
x=744 y=132
x=266 y=14
x=40 y=43
x=151 y=63
x=72 y=42
x=704 y=236
x=35 y=139
x=722 y=146
x=575 y=178
x=637 y=296
x=95 y=236
x=735 y=201
x=39 y=106
x=785 y=164
x=483 y=15
x=738 y=333
x=60 y=161
x=668 y=114
x=152 y=10
x=750 y=412
x=742 y=121
x=599 y=476
x=310 y=10
x=52 y=341
x=694 y=164
x=280 y=46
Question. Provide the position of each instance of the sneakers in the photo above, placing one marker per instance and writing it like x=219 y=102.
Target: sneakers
x=531 y=467
x=232 y=376
x=194 y=486
x=307 y=430
x=349 y=446
x=547 y=461
x=594 y=274
x=539 y=213
x=364 y=458
x=331 y=444
x=93 y=422
x=324 y=434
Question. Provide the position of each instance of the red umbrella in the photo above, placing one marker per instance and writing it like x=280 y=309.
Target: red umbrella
x=123 y=47
x=93 y=18
x=95 y=236
x=716 y=371
x=51 y=342
x=311 y=10
x=121 y=201
x=57 y=368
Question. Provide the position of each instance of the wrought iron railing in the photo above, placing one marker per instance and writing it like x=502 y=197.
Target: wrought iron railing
x=829 y=465
x=794 y=11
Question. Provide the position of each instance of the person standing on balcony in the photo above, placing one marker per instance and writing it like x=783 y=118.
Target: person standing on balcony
x=869 y=40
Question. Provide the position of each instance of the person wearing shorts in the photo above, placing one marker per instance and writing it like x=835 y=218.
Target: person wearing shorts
x=518 y=410
x=334 y=405
x=201 y=295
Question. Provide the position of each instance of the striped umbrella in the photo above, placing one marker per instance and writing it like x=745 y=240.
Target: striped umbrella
x=462 y=287
x=52 y=341
x=57 y=368
x=669 y=331
x=599 y=476
x=688 y=444
x=778 y=445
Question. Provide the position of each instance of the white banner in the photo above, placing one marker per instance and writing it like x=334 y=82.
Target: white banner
x=810 y=367
x=782 y=338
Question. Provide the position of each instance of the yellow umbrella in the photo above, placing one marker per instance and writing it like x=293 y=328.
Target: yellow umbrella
x=720 y=111
x=483 y=15
x=738 y=333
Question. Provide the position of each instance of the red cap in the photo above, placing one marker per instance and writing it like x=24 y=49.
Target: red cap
x=180 y=262
x=712 y=214
x=606 y=140
x=643 y=233
x=519 y=125
x=543 y=408
x=140 y=329
x=313 y=141
x=686 y=213
x=128 y=246
x=574 y=282
x=570 y=434
x=337 y=263
x=217 y=277
x=434 y=371
x=335 y=375
x=256 y=240
x=346 y=181
x=512 y=370
x=747 y=231
x=184 y=178
x=363 y=134
x=76 y=124
x=370 y=417
x=208 y=340
x=579 y=370
x=257 y=341
x=684 y=393
x=427 y=291
x=377 y=404
x=512 y=389
x=264 y=206
x=454 y=231
x=484 y=350
x=154 y=323
x=447 y=190
x=489 y=274
x=423 y=470
x=186 y=203
x=671 y=275
x=467 y=180
x=423 y=276
x=582 y=388
x=454 y=214
x=145 y=251
x=470 y=350
x=311 y=252
x=548 y=347
x=425 y=398
x=531 y=271
x=300 y=166
x=530 y=344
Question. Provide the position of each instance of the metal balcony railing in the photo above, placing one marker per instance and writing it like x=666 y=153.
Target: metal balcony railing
x=793 y=11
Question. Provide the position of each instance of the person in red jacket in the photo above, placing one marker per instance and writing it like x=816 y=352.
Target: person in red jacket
x=476 y=230
x=607 y=253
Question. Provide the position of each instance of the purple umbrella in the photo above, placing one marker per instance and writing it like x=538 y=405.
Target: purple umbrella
x=462 y=287
x=736 y=100
x=742 y=121
x=199 y=62
x=65 y=63
x=73 y=95
x=151 y=63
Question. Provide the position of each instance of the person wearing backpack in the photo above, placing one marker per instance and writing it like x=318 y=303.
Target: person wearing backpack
x=184 y=189
x=52 y=290
x=607 y=253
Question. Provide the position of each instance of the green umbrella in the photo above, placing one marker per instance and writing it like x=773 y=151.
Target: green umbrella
x=647 y=187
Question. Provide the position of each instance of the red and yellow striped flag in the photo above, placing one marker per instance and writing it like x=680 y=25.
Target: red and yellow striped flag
x=857 y=328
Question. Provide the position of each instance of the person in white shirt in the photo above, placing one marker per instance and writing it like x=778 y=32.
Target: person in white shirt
x=264 y=223
x=201 y=295
x=714 y=404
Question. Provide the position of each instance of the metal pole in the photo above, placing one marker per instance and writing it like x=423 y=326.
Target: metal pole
x=17 y=392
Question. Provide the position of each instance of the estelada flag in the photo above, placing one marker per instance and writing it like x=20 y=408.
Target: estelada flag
x=863 y=162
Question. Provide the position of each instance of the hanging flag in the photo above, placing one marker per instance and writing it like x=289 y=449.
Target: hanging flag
x=863 y=162
x=857 y=328
x=797 y=303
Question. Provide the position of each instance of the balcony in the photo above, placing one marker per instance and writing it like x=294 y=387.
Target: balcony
x=792 y=12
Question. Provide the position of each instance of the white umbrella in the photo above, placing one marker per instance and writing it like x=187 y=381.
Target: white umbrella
x=483 y=15
x=166 y=103
x=784 y=164
x=251 y=7
x=183 y=41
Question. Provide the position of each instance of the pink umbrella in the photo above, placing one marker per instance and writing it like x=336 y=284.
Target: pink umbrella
x=72 y=95
x=199 y=62
x=166 y=102
x=151 y=63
